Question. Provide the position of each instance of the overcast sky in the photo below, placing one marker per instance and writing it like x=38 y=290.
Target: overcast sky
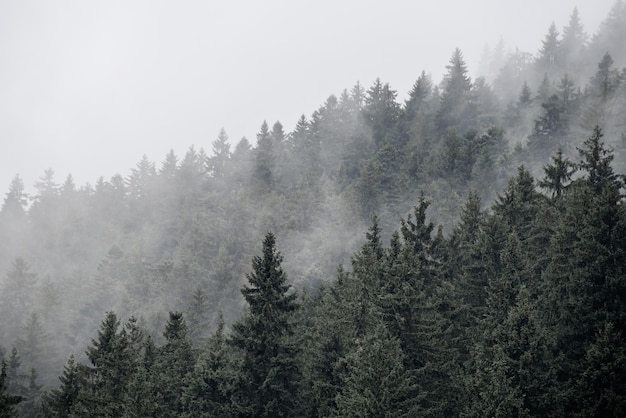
x=88 y=87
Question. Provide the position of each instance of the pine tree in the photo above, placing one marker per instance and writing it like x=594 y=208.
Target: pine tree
x=381 y=111
x=601 y=93
x=8 y=401
x=209 y=387
x=603 y=380
x=375 y=382
x=16 y=296
x=269 y=371
x=584 y=297
x=169 y=166
x=558 y=175
x=174 y=362
x=218 y=162
x=59 y=402
x=265 y=163
x=105 y=380
x=35 y=346
x=574 y=43
x=456 y=110
x=550 y=129
x=197 y=318
x=15 y=201
x=421 y=91
x=549 y=60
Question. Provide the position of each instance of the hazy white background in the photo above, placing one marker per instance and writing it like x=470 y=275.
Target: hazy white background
x=88 y=87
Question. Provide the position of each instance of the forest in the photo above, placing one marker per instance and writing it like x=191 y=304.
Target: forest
x=462 y=253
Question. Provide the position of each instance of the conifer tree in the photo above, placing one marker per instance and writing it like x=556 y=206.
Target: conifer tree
x=265 y=162
x=574 y=42
x=549 y=59
x=8 y=401
x=268 y=371
x=456 y=109
x=174 y=362
x=218 y=162
x=209 y=387
x=15 y=201
x=584 y=298
x=558 y=175
x=59 y=402
x=197 y=318
x=375 y=382
x=104 y=382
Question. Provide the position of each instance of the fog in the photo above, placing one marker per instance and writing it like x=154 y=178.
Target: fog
x=191 y=131
x=89 y=88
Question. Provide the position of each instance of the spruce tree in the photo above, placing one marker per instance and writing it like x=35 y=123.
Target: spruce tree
x=174 y=362
x=269 y=372
x=209 y=387
x=8 y=401
x=105 y=380
x=59 y=402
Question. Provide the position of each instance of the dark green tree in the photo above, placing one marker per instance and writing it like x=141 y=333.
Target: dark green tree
x=174 y=362
x=549 y=130
x=585 y=300
x=558 y=175
x=269 y=372
x=197 y=318
x=381 y=112
x=105 y=380
x=375 y=382
x=8 y=401
x=209 y=387
x=59 y=402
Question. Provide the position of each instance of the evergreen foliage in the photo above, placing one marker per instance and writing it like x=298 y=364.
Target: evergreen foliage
x=269 y=371
x=499 y=295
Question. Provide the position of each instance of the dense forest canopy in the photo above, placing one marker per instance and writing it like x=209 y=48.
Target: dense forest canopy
x=460 y=253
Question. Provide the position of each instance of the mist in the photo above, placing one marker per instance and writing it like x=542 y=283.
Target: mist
x=81 y=83
x=167 y=196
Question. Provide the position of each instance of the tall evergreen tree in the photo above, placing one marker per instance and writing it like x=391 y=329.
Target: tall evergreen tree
x=59 y=402
x=549 y=59
x=269 y=371
x=574 y=43
x=209 y=387
x=218 y=162
x=456 y=109
x=104 y=381
x=174 y=362
x=15 y=200
x=264 y=168
x=8 y=401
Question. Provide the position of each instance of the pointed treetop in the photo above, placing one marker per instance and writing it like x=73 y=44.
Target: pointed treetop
x=264 y=133
x=268 y=282
x=558 y=174
x=456 y=77
x=176 y=328
x=596 y=161
x=574 y=36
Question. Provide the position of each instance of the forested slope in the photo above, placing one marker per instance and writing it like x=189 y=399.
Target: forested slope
x=501 y=292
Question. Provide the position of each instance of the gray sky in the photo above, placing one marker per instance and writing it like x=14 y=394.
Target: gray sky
x=88 y=87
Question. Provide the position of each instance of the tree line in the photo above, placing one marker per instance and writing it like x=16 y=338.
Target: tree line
x=519 y=312
x=455 y=319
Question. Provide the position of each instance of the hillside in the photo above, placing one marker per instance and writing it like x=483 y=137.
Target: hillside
x=501 y=293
